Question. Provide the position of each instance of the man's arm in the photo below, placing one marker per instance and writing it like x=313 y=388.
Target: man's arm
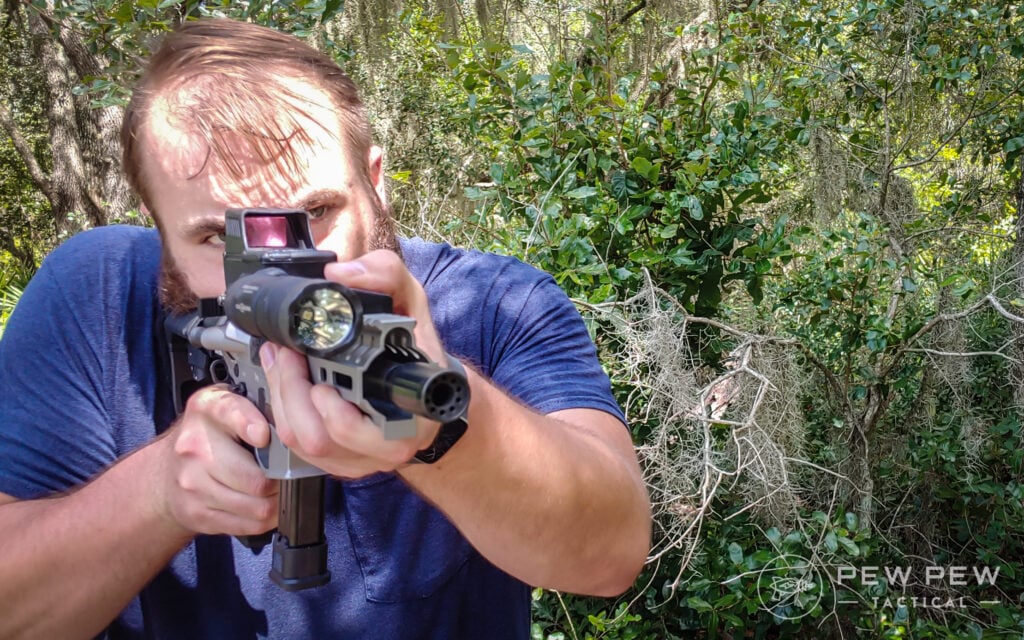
x=72 y=563
x=557 y=501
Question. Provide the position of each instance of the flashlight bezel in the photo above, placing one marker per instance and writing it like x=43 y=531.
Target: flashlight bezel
x=308 y=292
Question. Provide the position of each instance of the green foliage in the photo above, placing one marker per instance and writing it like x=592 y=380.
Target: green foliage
x=899 y=222
x=840 y=174
x=837 y=299
x=9 y=296
x=597 y=620
x=414 y=107
x=123 y=31
x=24 y=233
x=595 y=181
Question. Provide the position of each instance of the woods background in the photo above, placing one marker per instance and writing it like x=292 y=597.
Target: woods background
x=795 y=228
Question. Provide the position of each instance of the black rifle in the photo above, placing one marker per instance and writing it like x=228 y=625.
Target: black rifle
x=352 y=341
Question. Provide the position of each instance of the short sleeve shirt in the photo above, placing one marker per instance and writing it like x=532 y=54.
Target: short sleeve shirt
x=83 y=382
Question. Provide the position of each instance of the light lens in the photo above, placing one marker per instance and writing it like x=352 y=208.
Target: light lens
x=323 y=319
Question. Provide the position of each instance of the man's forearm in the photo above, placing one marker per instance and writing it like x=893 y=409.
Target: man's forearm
x=556 y=501
x=72 y=563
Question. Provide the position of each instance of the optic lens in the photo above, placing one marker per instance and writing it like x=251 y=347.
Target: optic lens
x=323 y=319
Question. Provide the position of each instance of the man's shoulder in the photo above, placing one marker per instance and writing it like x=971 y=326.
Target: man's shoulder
x=440 y=264
x=114 y=244
x=117 y=262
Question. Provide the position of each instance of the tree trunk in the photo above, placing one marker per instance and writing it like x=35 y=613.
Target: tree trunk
x=24 y=149
x=83 y=182
x=1017 y=374
x=71 y=193
x=99 y=128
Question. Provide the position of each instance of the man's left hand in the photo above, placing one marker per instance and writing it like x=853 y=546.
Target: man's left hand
x=314 y=420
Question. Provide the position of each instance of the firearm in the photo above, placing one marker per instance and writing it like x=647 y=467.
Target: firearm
x=352 y=341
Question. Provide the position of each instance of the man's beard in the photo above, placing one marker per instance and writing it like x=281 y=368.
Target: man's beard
x=177 y=297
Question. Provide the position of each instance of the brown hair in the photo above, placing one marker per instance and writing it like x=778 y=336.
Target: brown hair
x=225 y=80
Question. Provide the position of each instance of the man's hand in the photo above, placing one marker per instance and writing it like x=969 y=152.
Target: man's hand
x=314 y=420
x=384 y=272
x=212 y=484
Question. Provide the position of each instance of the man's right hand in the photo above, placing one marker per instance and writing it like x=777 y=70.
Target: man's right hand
x=74 y=561
x=211 y=483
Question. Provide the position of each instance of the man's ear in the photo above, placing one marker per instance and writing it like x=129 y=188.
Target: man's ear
x=377 y=174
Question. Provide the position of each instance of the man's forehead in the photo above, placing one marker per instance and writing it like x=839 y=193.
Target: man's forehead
x=236 y=170
x=196 y=125
x=251 y=182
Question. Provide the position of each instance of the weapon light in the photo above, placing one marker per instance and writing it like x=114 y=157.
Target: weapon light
x=312 y=316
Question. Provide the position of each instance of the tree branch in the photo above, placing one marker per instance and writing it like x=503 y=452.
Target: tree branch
x=963 y=354
x=640 y=6
x=24 y=150
x=989 y=300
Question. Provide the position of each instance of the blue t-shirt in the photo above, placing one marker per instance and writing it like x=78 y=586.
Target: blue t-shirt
x=84 y=382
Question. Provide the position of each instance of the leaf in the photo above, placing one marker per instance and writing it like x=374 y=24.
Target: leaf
x=620 y=185
x=735 y=553
x=850 y=546
x=471 y=193
x=733 y=619
x=124 y=13
x=582 y=192
x=692 y=204
x=642 y=166
x=951 y=280
x=965 y=289
x=331 y=9
x=755 y=290
x=746 y=195
x=831 y=542
x=726 y=601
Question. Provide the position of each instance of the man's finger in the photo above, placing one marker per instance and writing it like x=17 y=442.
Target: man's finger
x=231 y=413
x=381 y=271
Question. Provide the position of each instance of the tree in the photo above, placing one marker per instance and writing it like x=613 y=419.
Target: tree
x=61 y=101
x=82 y=181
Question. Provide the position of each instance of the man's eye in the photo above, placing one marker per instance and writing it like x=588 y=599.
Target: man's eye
x=216 y=240
x=318 y=212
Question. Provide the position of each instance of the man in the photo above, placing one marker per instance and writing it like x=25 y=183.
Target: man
x=111 y=508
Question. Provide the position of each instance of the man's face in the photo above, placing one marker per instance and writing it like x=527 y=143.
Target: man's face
x=190 y=188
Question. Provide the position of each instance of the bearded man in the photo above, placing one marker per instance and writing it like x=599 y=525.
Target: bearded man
x=117 y=514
